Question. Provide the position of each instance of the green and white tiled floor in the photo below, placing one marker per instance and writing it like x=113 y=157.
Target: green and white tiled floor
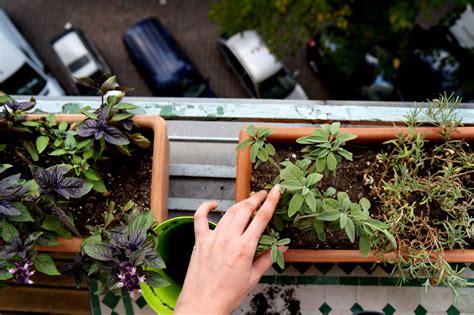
x=329 y=289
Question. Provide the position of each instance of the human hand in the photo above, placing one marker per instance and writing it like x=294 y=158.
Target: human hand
x=222 y=269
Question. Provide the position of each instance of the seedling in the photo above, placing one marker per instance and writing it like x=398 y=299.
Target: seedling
x=325 y=146
x=260 y=151
x=272 y=242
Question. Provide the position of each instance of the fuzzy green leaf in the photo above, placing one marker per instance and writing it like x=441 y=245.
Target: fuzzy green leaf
x=330 y=215
x=274 y=253
x=364 y=203
x=310 y=201
x=331 y=161
x=280 y=260
x=253 y=152
x=121 y=116
x=334 y=128
x=291 y=185
x=295 y=204
x=313 y=179
x=364 y=245
x=343 y=220
x=243 y=144
x=350 y=230
x=266 y=240
x=320 y=164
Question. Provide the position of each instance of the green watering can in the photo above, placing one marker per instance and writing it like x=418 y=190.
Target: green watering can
x=176 y=242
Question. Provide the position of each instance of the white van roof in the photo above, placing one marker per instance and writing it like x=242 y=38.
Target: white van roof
x=254 y=55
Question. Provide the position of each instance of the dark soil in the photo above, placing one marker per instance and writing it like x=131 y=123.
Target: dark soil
x=348 y=178
x=265 y=302
x=126 y=178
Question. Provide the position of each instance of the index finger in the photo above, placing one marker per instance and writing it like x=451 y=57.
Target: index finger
x=263 y=216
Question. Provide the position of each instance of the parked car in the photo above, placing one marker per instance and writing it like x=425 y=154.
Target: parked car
x=163 y=64
x=21 y=70
x=79 y=58
x=442 y=60
x=259 y=72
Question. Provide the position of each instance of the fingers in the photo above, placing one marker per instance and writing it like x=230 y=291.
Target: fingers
x=244 y=212
x=251 y=203
x=262 y=263
x=201 y=224
x=263 y=216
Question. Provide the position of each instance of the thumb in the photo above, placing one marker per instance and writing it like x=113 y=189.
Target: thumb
x=263 y=262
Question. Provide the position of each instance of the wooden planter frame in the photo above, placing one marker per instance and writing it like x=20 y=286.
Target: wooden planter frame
x=159 y=174
x=365 y=136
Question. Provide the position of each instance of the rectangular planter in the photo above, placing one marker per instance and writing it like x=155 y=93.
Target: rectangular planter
x=365 y=136
x=159 y=174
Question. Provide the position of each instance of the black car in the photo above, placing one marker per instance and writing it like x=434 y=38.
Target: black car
x=438 y=63
x=163 y=64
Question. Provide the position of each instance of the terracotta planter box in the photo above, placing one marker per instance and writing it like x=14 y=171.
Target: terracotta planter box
x=365 y=136
x=159 y=175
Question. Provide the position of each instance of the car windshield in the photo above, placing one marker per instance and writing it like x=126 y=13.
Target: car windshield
x=277 y=86
x=191 y=86
x=26 y=81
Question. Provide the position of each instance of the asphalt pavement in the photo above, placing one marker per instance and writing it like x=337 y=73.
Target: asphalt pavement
x=105 y=21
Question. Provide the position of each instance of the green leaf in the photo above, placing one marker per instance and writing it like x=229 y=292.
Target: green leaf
x=28 y=145
x=313 y=179
x=364 y=245
x=51 y=223
x=93 y=239
x=280 y=260
x=310 y=201
x=390 y=238
x=364 y=203
x=274 y=253
x=350 y=230
x=250 y=130
x=9 y=232
x=264 y=132
x=283 y=241
x=291 y=185
x=62 y=126
x=320 y=164
x=343 y=220
x=330 y=215
x=121 y=116
x=243 y=144
x=270 y=149
x=154 y=280
x=319 y=228
x=24 y=215
x=334 y=128
x=98 y=252
x=58 y=152
x=292 y=172
x=71 y=108
x=45 y=264
x=141 y=221
x=253 y=152
x=295 y=204
x=99 y=186
x=34 y=124
x=41 y=143
x=92 y=175
x=126 y=106
x=345 y=154
x=4 y=275
x=346 y=136
x=262 y=155
x=89 y=115
x=93 y=268
x=331 y=161
x=266 y=240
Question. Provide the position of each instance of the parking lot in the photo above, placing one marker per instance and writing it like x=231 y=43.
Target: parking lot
x=105 y=21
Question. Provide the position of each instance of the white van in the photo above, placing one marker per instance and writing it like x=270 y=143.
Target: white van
x=21 y=71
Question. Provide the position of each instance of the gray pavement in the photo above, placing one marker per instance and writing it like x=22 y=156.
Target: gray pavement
x=106 y=20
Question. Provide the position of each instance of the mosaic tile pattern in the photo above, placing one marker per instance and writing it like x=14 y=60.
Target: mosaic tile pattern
x=332 y=289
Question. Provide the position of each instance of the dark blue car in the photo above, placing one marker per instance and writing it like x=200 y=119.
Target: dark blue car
x=163 y=64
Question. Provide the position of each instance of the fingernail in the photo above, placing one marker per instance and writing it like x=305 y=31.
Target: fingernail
x=283 y=249
x=275 y=189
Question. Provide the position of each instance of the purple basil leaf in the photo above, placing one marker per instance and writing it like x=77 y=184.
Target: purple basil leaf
x=104 y=113
x=65 y=219
x=127 y=124
x=115 y=136
x=137 y=257
x=7 y=208
x=88 y=128
x=70 y=187
x=42 y=177
x=99 y=252
x=118 y=239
